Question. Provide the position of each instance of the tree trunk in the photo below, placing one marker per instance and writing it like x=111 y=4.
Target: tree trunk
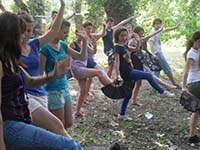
x=20 y=4
x=1 y=6
x=118 y=9
x=78 y=7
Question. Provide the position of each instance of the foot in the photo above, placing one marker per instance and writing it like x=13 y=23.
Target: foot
x=79 y=114
x=136 y=104
x=124 y=118
x=193 y=139
x=168 y=94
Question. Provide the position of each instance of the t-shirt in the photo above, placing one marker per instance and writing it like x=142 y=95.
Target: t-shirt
x=194 y=72
x=108 y=41
x=156 y=41
x=124 y=66
x=51 y=54
x=32 y=62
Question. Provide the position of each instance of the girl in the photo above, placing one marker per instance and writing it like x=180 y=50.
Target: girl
x=155 y=45
x=30 y=57
x=59 y=99
x=16 y=132
x=124 y=67
x=191 y=79
x=82 y=73
x=137 y=45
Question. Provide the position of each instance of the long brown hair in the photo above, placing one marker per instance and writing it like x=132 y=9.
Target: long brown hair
x=117 y=33
x=195 y=37
x=10 y=50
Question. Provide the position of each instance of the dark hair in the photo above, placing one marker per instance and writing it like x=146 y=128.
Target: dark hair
x=110 y=19
x=65 y=23
x=53 y=12
x=138 y=29
x=195 y=37
x=27 y=18
x=10 y=50
x=117 y=33
x=87 y=24
x=157 y=20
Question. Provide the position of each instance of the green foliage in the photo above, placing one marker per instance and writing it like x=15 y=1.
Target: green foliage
x=14 y=8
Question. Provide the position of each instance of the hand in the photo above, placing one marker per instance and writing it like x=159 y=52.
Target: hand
x=155 y=57
x=62 y=67
x=184 y=90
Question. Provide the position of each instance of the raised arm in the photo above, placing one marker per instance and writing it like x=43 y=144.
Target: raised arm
x=50 y=35
x=151 y=35
x=83 y=52
x=69 y=17
x=185 y=75
x=172 y=28
x=133 y=46
x=2 y=144
x=100 y=35
x=123 y=23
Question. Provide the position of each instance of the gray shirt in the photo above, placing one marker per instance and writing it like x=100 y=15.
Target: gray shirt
x=156 y=41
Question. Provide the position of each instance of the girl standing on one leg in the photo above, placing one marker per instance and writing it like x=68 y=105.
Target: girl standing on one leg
x=124 y=67
x=155 y=45
x=191 y=79
x=59 y=99
x=82 y=73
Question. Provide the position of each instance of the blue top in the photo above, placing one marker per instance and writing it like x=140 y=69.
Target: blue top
x=124 y=66
x=108 y=41
x=51 y=54
x=32 y=63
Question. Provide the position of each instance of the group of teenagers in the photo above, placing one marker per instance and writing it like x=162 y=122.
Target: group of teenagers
x=36 y=106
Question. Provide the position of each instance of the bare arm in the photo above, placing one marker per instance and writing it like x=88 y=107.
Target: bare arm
x=151 y=35
x=2 y=144
x=116 y=67
x=133 y=47
x=43 y=60
x=172 y=28
x=123 y=23
x=100 y=35
x=83 y=52
x=185 y=75
x=69 y=17
x=50 y=35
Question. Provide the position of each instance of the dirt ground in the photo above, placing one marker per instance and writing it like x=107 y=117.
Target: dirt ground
x=166 y=130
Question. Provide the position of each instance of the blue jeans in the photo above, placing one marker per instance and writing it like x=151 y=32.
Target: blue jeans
x=139 y=75
x=22 y=136
x=163 y=63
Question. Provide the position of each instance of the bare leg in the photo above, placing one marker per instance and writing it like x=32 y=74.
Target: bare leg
x=87 y=88
x=193 y=123
x=171 y=78
x=45 y=119
x=82 y=88
x=136 y=91
x=68 y=117
x=110 y=69
x=163 y=83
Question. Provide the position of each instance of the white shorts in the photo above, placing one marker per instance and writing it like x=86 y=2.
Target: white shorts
x=34 y=102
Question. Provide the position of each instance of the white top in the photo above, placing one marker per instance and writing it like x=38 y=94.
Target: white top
x=194 y=72
x=156 y=41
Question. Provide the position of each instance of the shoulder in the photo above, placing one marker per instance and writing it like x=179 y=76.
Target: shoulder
x=63 y=44
x=192 y=54
x=45 y=49
x=34 y=41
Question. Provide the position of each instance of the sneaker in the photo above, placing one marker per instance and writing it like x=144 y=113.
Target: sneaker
x=116 y=146
x=193 y=139
x=168 y=94
x=124 y=118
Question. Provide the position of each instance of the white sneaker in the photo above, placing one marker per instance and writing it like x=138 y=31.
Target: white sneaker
x=168 y=94
x=124 y=118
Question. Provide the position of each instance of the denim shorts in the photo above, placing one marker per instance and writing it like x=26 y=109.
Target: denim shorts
x=163 y=63
x=58 y=99
x=22 y=136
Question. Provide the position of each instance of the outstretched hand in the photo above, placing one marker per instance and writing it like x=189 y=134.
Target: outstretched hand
x=80 y=31
x=60 y=68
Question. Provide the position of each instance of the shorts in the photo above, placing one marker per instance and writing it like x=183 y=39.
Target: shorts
x=111 y=57
x=91 y=63
x=137 y=64
x=34 y=102
x=78 y=72
x=194 y=89
x=58 y=98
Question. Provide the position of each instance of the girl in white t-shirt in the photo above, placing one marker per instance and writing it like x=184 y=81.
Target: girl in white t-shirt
x=191 y=79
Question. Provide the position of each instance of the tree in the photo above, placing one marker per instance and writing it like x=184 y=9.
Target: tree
x=1 y=6
x=20 y=4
